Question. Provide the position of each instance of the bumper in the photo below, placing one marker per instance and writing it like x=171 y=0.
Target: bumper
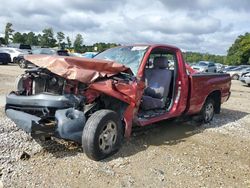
x=66 y=123
x=43 y=100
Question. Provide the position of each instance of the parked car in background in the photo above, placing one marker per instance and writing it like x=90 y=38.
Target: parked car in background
x=236 y=73
x=219 y=67
x=50 y=51
x=4 y=58
x=89 y=54
x=24 y=47
x=13 y=52
x=245 y=78
x=84 y=55
x=205 y=66
x=228 y=68
x=45 y=51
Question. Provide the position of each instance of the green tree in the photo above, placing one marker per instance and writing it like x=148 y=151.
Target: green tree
x=101 y=46
x=8 y=33
x=69 y=43
x=47 y=39
x=18 y=38
x=60 y=37
x=39 y=38
x=239 y=52
x=194 y=57
x=31 y=39
x=78 y=43
x=2 y=41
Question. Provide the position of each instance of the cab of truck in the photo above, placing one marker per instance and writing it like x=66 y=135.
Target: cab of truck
x=173 y=89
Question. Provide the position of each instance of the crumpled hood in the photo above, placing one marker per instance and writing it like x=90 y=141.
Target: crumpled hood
x=77 y=68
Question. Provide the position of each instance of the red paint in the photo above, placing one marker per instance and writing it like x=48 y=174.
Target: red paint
x=191 y=91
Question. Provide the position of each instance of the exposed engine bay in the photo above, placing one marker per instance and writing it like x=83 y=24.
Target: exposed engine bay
x=40 y=80
x=46 y=104
x=49 y=103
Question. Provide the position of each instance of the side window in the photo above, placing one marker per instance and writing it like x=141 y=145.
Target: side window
x=36 y=51
x=171 y=59
x=211 y=65
x=47 y=51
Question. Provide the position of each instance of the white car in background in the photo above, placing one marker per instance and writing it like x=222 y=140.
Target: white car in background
x=238 y=71
x=204 y=66
x=245 y=78
x=14 y=52
x=219 y=67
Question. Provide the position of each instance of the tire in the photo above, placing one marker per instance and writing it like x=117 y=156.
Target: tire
x=235 y=77
x=23 y=64
x=102 y=135
x=208 y=110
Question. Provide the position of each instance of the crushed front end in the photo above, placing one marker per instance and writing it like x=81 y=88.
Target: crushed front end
x=48 y=105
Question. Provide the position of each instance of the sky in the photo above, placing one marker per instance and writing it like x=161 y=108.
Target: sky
x=193 y=25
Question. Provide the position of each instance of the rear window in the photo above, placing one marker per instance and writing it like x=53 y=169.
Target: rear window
x=211 y=65
x=25 y=47
x=63 y=53
x=201 y=63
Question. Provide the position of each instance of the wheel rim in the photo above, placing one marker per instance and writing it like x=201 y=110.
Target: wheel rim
x=235 y=77
x=108 y=137
x=209 y=112
x=22 y=63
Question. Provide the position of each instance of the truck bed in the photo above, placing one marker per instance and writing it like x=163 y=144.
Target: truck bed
x=203 y=84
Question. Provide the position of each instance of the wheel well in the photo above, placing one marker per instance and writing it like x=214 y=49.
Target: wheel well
x=216 y=96
x=111 y=103
x=235 y=75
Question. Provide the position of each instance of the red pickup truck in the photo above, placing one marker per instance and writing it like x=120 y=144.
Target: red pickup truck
x=96 y=102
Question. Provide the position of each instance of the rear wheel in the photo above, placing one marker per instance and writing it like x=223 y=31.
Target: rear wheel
x=235 y=77
x=208 y=110
x=102 y=134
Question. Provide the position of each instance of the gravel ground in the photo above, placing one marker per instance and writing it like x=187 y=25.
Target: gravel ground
x=175 y=155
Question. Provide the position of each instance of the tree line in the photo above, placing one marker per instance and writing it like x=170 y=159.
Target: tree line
x=48 y=38
x=238 y=53
x=194 y=57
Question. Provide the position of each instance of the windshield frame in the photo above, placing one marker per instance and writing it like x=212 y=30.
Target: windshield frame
x=121 y=51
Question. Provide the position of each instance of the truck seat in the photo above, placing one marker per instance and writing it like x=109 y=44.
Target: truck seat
x=157 y=81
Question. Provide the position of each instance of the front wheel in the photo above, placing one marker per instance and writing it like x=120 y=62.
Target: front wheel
x=207 y=111
x=23 y=64
x=102 y=134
